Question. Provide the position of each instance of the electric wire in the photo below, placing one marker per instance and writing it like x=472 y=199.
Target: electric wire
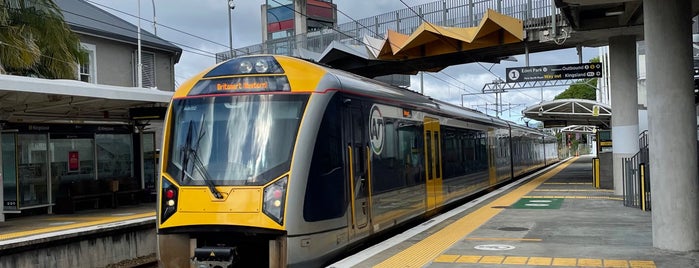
x=369 y=45
x=164 y=26
x=480 y=64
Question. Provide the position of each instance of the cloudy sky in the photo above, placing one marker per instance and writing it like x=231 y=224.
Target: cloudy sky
x=202 y=29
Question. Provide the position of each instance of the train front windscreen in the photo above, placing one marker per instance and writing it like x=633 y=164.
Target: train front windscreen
x=229 y=140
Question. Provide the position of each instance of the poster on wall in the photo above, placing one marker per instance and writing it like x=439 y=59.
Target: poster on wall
x=73 y=161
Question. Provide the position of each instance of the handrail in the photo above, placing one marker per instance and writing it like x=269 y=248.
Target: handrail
x=535 y=14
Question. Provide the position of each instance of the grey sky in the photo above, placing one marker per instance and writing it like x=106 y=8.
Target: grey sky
x=208 y=19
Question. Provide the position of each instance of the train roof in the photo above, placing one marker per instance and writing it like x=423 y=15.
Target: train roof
x=306 y=76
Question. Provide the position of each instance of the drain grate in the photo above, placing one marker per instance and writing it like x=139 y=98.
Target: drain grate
x=513 y=229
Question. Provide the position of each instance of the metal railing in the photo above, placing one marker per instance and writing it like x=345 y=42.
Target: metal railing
x=535 y=14
x=637 y=177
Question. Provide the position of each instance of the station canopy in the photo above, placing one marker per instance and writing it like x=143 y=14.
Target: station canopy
x=570 y=112
x=28 y=99
x=429 y=48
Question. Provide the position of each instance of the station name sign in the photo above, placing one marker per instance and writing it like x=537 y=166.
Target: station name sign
x=554 y=72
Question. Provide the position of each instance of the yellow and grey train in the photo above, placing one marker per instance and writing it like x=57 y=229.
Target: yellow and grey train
x=273 y=161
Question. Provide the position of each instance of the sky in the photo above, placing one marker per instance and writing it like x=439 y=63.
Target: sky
x=202 y=29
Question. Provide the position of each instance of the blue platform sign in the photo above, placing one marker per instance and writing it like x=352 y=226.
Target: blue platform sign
x=554 y=72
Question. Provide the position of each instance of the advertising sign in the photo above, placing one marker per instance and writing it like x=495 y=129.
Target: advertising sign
x=73 y=161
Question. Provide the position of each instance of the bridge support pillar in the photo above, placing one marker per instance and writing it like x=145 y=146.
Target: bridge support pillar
x=671 y=124
x=624 y=97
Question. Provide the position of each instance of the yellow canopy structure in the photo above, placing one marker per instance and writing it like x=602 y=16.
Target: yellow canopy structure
x=431 y=40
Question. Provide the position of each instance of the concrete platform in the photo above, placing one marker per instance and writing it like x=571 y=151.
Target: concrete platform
x=91 y=238
x=555 y=218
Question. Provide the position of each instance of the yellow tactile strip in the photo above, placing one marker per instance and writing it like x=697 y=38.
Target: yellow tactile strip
x=91 y=222
x=574 y=190
x=431 y=247
x=544 y=261
x=575 y=197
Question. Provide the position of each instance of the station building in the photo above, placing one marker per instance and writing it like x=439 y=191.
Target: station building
x=97 y=134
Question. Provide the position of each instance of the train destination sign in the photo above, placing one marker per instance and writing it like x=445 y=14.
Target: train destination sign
x=554 y=72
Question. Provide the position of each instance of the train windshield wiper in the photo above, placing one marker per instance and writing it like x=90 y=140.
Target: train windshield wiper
x=190 y=150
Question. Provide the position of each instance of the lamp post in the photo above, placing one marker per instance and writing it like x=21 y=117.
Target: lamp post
x=231 y=6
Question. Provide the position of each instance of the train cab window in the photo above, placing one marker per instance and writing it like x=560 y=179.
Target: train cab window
x=325 y=190
x=233 y=140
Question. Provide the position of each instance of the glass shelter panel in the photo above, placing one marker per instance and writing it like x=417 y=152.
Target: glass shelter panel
x=114 y=156
x=72 y=158
x=32 y=169
x=149 y=164
x=9 y=171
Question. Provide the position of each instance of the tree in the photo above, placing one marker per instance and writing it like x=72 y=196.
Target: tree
x=36 y=41
x=583 y=89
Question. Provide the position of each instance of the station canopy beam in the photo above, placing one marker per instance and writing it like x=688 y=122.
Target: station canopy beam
x=501 y=86
x=580 y=129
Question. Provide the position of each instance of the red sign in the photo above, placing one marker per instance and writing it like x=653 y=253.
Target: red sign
x=73 y=161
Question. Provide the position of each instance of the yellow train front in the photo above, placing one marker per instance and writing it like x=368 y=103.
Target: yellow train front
x=272 y=161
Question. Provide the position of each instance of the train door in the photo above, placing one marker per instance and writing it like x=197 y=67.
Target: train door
x=355 y=133
x=433 y=166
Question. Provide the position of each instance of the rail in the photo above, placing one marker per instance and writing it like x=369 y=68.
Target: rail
x=637 y=191
x=535 y=14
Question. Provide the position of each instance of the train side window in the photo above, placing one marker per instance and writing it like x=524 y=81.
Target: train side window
x=438 y=155
x=410 y=147
x=325 y=190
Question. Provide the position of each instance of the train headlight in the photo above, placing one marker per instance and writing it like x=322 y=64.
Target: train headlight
x=168 y=200
x=245 y=67
x=274 y=196
x=261 y=66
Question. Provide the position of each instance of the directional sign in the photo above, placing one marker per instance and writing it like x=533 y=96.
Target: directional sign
x=554 y=72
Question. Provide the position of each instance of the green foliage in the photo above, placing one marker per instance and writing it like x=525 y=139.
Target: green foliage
x=583 y=89
x=35 y=40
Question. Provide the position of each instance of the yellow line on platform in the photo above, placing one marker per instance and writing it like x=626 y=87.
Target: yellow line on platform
x=567 y=183
x=574 y=190
x=503 y=239
x=103 y=220
x=575 y=197
x=429 y=248
x=544 y=261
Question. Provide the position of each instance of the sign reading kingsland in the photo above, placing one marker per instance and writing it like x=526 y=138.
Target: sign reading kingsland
x=554 y=72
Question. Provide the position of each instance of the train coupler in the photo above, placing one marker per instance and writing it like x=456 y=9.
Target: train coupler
x=215 y=257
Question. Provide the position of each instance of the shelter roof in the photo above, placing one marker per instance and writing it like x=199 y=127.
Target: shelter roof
x=568 y=112
x=29 y=99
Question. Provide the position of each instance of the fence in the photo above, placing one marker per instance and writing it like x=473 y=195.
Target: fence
x=637 y=178
x=535 y=14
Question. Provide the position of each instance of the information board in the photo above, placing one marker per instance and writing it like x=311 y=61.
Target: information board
x=554 y=72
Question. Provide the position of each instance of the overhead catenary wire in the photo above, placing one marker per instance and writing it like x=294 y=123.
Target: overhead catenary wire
x=422 y=18
x=193 y=50
x=369 y=45
x=164 y=26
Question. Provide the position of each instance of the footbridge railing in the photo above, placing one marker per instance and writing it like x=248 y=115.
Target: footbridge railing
x=535 y=14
